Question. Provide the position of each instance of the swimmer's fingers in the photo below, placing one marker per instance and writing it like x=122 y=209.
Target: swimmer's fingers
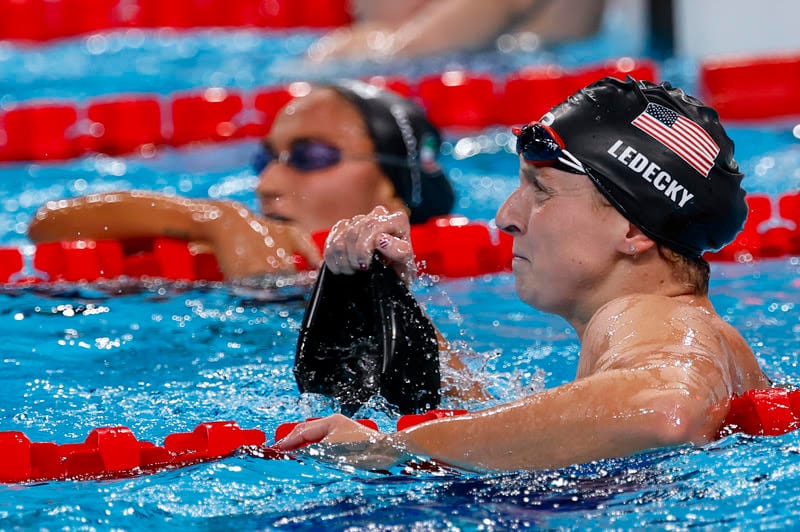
x=379 y=231
x=352 y=242
x=302 y=435
x=332 y=429
x=399 y=252
x=336 y=253
x=345 y=441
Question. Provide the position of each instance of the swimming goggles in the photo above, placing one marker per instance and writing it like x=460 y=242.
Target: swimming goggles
x=308 y=155
x=540 y=146
x=304 y=155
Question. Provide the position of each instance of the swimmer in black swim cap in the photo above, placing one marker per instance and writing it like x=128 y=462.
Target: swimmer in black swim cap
x=407 y=145
x=333 y=152
x=657 y=154
x=621 y=189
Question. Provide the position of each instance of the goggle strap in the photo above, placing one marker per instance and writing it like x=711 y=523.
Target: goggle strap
x=571 y=161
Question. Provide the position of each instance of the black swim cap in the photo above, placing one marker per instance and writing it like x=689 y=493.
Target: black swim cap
x=660 y=157
x=406 y=144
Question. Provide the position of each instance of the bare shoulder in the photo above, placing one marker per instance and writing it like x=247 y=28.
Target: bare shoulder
x=643 y=329
x=648 y=318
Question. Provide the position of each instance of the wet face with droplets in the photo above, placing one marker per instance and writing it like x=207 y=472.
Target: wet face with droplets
x=314 y=200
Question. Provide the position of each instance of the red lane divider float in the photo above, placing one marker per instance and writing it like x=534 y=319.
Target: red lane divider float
x=769 y=412
x=752 y=88
x=531 y=92
x=114 y=452
x=757 y=88
x=90 y=260
x=136 y=123
x=768 y=232
x=449 y=246
x=760 y=88
x=118 y=124
x=43 y=20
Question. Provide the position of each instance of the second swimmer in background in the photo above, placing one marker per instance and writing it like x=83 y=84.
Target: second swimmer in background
x=334 y=153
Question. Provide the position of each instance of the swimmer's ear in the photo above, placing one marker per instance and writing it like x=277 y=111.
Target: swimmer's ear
x=635 y=241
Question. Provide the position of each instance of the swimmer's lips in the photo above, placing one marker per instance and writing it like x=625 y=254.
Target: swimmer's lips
x=517 y=256
x=275 y=217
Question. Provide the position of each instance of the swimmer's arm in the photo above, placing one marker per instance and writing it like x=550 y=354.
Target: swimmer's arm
x=243 y=243
x=435 y=27
x=642 y=391
x=609 y=414
x=441 y=26
x=121 y=215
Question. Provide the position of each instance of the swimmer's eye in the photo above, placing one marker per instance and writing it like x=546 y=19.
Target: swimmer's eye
x=530 y=176
x=305 y=155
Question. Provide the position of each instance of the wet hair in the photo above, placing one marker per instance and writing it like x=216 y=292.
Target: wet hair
x=693 y=272
x=660 y=157
x=406 y=145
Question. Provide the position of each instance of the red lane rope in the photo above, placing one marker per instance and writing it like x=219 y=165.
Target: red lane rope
x=114 y=452
x=744 y=89
x=119 y=124
x=44 y=20
x=752 y=87
x=450 y=246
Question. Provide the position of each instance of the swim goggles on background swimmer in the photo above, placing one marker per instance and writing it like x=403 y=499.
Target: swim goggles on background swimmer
x=541 y=146
x=304 y=156
x=308 y=155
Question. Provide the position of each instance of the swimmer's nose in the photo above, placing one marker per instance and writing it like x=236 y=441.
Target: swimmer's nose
x=509 y=229
x=275 y=180
x=505 y=218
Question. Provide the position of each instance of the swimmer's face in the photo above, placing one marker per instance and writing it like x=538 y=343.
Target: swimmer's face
x=564 y=237
x=315 y=200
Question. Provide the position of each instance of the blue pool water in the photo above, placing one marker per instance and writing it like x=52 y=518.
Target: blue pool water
x=162 y=358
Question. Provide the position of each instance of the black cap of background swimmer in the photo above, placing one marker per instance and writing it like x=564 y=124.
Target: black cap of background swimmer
x=407 y=145
x=660 y=157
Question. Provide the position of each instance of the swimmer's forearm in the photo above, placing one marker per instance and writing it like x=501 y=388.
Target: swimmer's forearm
x=455 y=24
x=243 y=243
x=121 y=215
x=608 y=415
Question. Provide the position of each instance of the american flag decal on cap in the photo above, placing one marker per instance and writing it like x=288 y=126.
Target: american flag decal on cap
x=679 y=134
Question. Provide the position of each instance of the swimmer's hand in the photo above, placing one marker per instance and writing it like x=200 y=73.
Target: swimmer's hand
x=352 y=243
x=341 y=440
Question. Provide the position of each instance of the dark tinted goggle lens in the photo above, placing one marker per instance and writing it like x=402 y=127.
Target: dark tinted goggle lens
x=262 y=158
x=304 y=156
x=536 y=144
x=540 y=146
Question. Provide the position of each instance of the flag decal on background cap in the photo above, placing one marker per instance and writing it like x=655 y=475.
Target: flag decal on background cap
x=688 y=140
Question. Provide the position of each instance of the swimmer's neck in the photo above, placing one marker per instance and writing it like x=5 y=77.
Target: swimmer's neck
x=631 y=281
